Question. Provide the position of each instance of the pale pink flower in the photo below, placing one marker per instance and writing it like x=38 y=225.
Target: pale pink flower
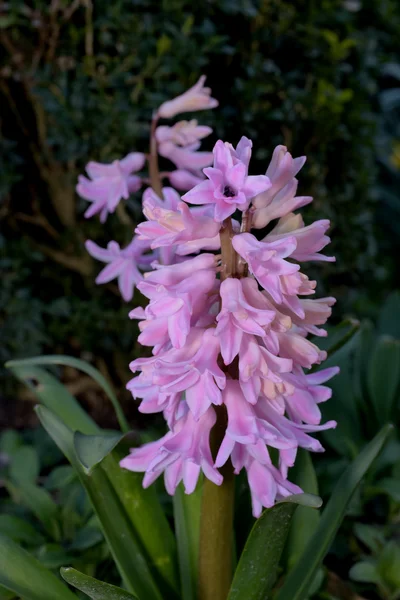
x=182 y=228
x=184 y=180
x=183 y=133
x=267 y=263
x=109 y=183
x=187 y=157
x=310 y=240
x=123 y=263
x=281 y=171
x=260 y=370
x=181 y=454
x=224 y=341
x=243 y=310
x=196 y=98
x=178 y=295
x=307 y=393
x=280 y=198
x=228 y=187
x=192 y=368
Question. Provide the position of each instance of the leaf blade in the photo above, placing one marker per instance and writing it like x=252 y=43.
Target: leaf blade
x=95 y=589
x=187 y=509
x=300 y=578
x=254 y=578
x=114 y=521
x=70 y=361
x=23 y=574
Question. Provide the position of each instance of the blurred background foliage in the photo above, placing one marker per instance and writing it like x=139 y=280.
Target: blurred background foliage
x=79 y=80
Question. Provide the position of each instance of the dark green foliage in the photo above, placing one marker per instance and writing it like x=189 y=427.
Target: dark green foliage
x=46 y=510
x=79 y=81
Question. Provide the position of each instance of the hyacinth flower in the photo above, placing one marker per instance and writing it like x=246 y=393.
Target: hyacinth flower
x=108 y=184
x=229 y=329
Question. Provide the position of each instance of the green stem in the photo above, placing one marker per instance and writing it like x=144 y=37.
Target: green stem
x=216 y=526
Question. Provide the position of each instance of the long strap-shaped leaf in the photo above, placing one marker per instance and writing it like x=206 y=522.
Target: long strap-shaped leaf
x=257 y=569
x=142 y=506
x=298 y=581
x=70 y=361
x=187 y=527
x=95 y=589
x=54 y=395
x=114 y=521
x=27 y=577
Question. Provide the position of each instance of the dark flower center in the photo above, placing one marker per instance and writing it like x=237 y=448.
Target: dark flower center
x=229 y=192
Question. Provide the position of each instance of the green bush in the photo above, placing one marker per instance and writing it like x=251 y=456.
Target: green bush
x=78 y=81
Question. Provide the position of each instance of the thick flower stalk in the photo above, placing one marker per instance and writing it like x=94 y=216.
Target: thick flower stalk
x=228 y=320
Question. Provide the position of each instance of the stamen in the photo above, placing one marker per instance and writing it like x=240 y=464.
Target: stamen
x=229 y=192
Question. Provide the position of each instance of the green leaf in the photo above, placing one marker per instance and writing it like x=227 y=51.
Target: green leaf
x=81 y=365
x=24 y=575
x=339 y=336
x=95 y=589
x=147 y=517
x=306 y=500
x=92 y=449
x=39 y=501
x=60 y=477
x=389 y=486
x=86 y=538
x=365 y=572
x=384 y=377
x=388 y=320
x=142 y=507
x=19 y=530
x=53 y=394
x=10 y=441
x=347 y=439
x=372 y=537
x=300 y=578
x=115 y=523
x=187 y=528
x=6 y=594
x=24 y=465
x=304 y=521
x=256 y=572
x=53 y=556
x=388 y=566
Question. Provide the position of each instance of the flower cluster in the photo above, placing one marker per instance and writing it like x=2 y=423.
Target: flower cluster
x=108 y=184
x=228 y=316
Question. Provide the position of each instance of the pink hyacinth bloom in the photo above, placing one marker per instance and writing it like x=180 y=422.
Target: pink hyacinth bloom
x=229 y=331
x=183 y=133
x=310 y=240
x=282 y=169
x=182 y=454
x=280 y=198
x=187 y=157
x=108 y=184
x=228 y=187
x=182 y=227
x=192 y=368
x=123 y=263
x=267 y=263
x=196 y=98
x=243 y=311
x=184 y=180
x=177 y=294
